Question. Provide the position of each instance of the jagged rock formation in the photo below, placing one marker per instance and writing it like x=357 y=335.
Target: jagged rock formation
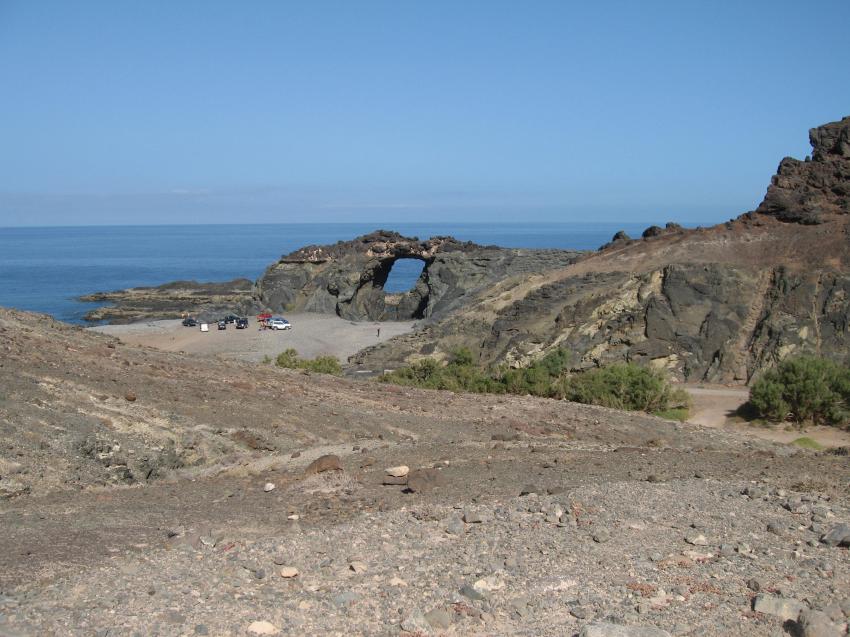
x=809 y=191
x=716 y=304
x=348 y=278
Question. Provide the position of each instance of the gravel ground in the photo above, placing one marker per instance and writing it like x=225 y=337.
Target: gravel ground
x=152 y=493
x=311 y=335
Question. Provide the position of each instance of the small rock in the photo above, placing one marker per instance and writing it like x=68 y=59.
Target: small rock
x=471 y=517
x=397 y=581
x=814 y=623
x=470 y=593
x=424 y=480
x=398 y=472
x=754 y=585
x=358 y=567
x=781 y=607
x=696 y=539
x=130 y=397
x=344 y=599
x=263 y=628
x=324 y=463
x=416 y=623
x=529 y=489
x=393 y=481
x=268 y=486
x=455 y=527
x=837 y=536
x=438 y=618
x=602 y=536
x=604 y=629
x=289 y=572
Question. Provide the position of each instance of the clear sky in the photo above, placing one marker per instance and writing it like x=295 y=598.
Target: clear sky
x=192 y=112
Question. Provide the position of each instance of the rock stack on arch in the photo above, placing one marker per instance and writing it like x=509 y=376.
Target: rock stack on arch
x=347 y=278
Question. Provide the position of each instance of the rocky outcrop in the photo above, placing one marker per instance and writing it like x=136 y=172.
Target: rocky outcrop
x=808 y=191
x=206 y=301
x=348 y=278
x=715 y=304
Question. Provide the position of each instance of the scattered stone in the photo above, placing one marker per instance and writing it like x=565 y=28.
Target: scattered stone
x=268 y=486
x=438 y=618
x=397 y=581
x=324 y=463
x=814 y=623
x=263 y=628
x=130 y=397
x=289 y=572
x=416 y=622
x=602 y=536
x=398 y=472
x=470 y=593
x=604 y=629
x=529 y=489
x=358 y=567
x=837 y=536
x=696 y=539
x=424 y=480
x=344 y=599
x=782 y=607
x=471 y=517
x=394 y=481
x=455 y=527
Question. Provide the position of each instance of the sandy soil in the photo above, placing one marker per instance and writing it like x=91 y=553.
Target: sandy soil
x=716 y=407
x=311 y=335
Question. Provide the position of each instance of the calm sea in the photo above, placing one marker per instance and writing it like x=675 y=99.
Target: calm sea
x=45 y=269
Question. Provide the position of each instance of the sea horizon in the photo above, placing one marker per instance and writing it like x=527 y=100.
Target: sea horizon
x=46 y=268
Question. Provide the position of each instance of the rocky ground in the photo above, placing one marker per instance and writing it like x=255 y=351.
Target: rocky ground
x=150 y=493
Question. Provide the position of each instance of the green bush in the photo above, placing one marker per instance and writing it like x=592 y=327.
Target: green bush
x=321 y=364
x=803 y=389
x=624 y=386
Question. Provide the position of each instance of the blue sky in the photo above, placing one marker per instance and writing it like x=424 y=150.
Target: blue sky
x=192 y=112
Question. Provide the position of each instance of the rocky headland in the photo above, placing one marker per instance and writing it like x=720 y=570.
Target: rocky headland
x=172 y=300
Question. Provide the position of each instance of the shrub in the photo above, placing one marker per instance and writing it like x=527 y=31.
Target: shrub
x=803 y=389
x=621 y=386
x=321 y=364
x=624 y=386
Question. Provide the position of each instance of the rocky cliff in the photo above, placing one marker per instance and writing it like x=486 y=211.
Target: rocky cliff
x=348 y=278
x=715 y=304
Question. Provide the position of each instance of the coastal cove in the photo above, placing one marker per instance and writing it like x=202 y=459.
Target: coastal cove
x=45 y=269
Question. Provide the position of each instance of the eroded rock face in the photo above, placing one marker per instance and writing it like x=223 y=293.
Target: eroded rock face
x=716 y=304
x=347 y=278
x=808 y=191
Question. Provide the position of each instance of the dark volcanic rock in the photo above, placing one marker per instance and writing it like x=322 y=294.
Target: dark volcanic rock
x=348 y=278
x=206 y=301
x=809 y=191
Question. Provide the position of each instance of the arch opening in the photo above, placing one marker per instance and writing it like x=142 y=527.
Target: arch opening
x=403 y=275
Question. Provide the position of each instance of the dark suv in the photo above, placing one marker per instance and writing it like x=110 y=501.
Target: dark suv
x=241 y=323
x=189 y=322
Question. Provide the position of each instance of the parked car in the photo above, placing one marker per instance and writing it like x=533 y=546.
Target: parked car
x=222 y=324
x=278 y=323
x=241 y=323
x=189 y=322
x=230 y=318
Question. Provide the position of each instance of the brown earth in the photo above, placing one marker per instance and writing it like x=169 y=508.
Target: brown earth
x=154 y=493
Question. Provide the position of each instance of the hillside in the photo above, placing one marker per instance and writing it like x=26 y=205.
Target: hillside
x=134 y=503
x=712 y=304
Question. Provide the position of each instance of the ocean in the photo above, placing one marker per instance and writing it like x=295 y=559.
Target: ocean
x=45 y=269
